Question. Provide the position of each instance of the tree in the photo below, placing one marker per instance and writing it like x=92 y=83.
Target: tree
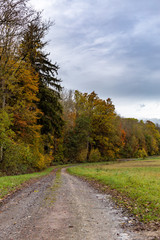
x=6 y=134
x=152 y=137
x=32 y=50
x=14 y=15
x=22 y=83
x=23 y=103
x=85 y=105
x=103 y=129
x=93 y=125
x=69 y=111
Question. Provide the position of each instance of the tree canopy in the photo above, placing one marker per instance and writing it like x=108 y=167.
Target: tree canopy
x=29 y=89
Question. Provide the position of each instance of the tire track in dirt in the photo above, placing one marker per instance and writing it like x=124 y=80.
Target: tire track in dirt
x=63 y=209
x=20 y=213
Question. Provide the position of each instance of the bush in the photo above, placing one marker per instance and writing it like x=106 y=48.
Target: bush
x=18 y=158
x=41 y=161
x=95 y=156
x=110 y=155
x=82 y=156
x=141 y=153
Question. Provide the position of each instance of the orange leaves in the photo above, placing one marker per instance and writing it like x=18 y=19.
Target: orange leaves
x=123 y=136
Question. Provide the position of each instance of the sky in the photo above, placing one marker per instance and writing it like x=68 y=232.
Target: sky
x=111 y=47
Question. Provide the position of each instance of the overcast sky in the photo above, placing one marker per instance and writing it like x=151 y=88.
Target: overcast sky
x=111 y=47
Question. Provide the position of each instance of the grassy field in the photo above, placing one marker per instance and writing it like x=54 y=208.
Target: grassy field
x=9 y=184
x=137 y=184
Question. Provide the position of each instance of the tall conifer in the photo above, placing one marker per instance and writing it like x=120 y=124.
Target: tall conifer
x=32 y=50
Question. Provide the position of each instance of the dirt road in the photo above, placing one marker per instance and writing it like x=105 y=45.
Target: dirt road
x=69 y=208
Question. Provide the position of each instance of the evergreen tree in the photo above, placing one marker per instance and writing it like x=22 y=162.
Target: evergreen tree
x=32 y=50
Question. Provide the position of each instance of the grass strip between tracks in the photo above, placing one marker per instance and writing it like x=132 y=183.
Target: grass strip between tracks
x=134 y=184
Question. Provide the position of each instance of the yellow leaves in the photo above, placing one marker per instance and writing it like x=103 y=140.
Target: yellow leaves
x=40 y=164
x=93 y=106
x=85 y=103
x=27 y=81
x=82 y=156
x=42 y=161
x=24 y=90
x=110 y=154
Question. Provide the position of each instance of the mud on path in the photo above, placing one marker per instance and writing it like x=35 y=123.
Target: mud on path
x=70 y=209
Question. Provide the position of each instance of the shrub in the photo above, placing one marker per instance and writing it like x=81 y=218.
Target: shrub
x=18 y=158
x=82 y=156
x=41 y=161
x=95 y=156
x=141 y=153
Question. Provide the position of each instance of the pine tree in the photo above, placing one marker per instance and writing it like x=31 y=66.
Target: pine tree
x=32 y=50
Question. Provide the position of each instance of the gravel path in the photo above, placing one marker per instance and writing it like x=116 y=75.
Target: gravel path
x=70 y=209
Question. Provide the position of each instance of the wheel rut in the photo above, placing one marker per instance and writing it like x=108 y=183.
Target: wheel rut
x=63 y=208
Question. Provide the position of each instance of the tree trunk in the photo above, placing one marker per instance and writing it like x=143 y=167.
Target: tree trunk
x=3 y=94
x=89 y=148
x=1 y=154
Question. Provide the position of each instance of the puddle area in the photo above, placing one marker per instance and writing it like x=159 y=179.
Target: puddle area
x=117 y=216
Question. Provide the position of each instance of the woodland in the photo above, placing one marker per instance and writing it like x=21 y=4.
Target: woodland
x=41 y=123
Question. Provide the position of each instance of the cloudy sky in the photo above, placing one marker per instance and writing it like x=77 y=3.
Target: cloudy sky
x=111 y=47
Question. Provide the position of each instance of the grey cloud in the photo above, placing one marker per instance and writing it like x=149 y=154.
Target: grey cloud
x=109 y=46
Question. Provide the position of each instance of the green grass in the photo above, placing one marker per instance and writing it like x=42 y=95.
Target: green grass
x=137 y=184
x=9 y=184
x=50 y=198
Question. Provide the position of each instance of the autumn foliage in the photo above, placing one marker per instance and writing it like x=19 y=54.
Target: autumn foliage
x=97 y=133
x=29 y=91
x=39 y=123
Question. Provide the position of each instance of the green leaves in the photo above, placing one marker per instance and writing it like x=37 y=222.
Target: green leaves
x=93 y=124
x=29 y=90
x=6 y=134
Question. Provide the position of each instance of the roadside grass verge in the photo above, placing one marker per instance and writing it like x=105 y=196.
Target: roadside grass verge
x=9 y=184
x=137 y=184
